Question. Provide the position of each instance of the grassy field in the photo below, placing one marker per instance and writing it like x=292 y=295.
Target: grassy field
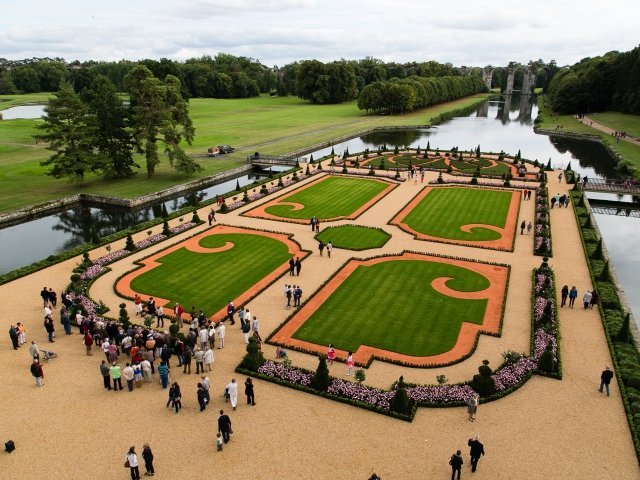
x=332 y=197
x=353 y=237
x=417 y=320
x=629 y=153
x=270 y=125
x=443 y=211
x=208 y=281
x=619 y=121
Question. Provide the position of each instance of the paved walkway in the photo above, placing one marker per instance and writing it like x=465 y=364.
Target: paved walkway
x=608 y=130
x=547 y=429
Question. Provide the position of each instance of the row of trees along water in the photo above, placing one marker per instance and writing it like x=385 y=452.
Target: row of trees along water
x=93 y=131
x=229 y=76
x=608 y=82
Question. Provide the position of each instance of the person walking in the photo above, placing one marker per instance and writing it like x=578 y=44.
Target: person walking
x=255 y=325
x=248 y=391
x=456 y=464
x=292 y=267
x=50 y=328
x=147 y=455
x=246 y=329
x=88 y=343
x=64 y=319
x=350 y=363
x=605 y=379
x=298 y=266
x=329 y=247
x=128 y=375
x=199 y=358
x=186 y=360
x=206 y=386
x=321 y=247
x=37 y=372
x=232 y=391
x=177 y=397
x=104 y=371
x=331 y=354
x=116 y=376
x=586 y=299
x=523 y=225
x=221 y=333
x=564 y=293
x=34 y=351
x=13 y=333
x=202 y=399
x=131 y=461
x=208 y=359
x=472 y=402
x=224 y=426
x=573 y=294
x=476 y=451
x=163 y=372
x=160 y=317
x=560 y=177
x=529 y=227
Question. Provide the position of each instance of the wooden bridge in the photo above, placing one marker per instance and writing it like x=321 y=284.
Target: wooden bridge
x=624 y=187
x=269 y=160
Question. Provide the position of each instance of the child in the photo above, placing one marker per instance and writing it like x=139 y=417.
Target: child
x=137 y=374
x=331 y=354
x=219 y=441
x=350 y=363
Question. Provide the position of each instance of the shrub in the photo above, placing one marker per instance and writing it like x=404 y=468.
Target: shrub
x=441 y=379
x=245 y=196
x=196 y=219
x=223 y=207
x=485 y=369
x=130 y=245
x=166 y=231
x=400 y=401
x=546 y=362
x=440 y=179
x=123 y=316
x=237 y=185
x=605 y=274
x=321 y=379
x=633 y=382
x=344 y=168
x=254 y=358
x=624 y=334
x=148 y=320
x=174 y=328
x=511 y=356
x=280 y=184
x=474 y=179
x=372 y=172
x=360 y=375
x=396 y=150
x=485 y=386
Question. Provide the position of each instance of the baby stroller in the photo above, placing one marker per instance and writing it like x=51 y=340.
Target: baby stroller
x=48 y=355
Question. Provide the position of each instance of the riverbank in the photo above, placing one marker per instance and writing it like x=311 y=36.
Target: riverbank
x=269 y=125
x=568 y=126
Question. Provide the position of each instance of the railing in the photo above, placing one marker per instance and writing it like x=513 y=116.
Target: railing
x=609 y=186
x=271 y=160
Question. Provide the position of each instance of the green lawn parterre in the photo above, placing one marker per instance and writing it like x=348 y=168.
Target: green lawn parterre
x=354 y=237
x=331 y=197
x=443 y=211
x=391 y=305
x=208 y=281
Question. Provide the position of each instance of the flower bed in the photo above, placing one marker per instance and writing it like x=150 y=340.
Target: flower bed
x=542 y=228
x=545 y=321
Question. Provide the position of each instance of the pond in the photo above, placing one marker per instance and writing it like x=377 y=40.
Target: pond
x=23 y=111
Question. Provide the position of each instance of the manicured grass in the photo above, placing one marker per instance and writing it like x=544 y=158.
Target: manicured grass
x=629 y=153
x=353 y=237
x=269 y=125
x=485 y=169
x=443 y=211
x=331 y=197
x=208 y=281
x=622 y=122
x=391 y=305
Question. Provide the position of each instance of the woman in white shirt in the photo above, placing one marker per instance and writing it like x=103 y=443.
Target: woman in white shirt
x=132 y=460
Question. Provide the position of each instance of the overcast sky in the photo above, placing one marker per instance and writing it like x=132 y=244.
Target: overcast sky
x=277 y=32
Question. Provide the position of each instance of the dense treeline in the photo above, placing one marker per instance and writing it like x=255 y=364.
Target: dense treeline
x=92 y=131
x=400 y=96
x=609 y=82
x=224 y=76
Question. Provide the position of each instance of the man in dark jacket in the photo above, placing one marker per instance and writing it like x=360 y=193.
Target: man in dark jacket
x=202 y=397
x=13 y=333
x=456 y=464
x=605 y=379
x=477 y=449
x=224 y=426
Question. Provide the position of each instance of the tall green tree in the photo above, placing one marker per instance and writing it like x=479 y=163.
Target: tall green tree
x=160 y=115
x=113 y=139
x=70 y=132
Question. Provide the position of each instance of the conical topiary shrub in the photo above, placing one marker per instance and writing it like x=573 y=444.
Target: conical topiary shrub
x=597 y=253
x=546 y=362
x=124 y=316
x=166 y=231
x=254 y=358
x=321 y=379
x=195 y=218
x=130 y=245
x=605 y=274
x=482 y=382
x=624 y=334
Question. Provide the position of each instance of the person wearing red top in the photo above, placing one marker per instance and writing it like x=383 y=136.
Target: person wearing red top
x=88 y=342
x=178 y=311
